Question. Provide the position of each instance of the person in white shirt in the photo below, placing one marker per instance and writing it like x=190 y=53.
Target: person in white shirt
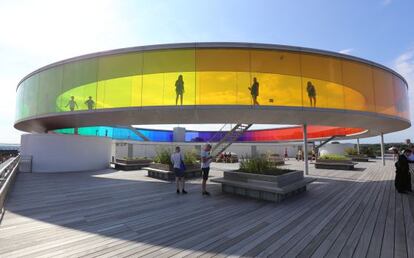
x=206 y=159
x=177 y=161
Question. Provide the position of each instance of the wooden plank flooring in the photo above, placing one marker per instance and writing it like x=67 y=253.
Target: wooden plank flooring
x=126 y=214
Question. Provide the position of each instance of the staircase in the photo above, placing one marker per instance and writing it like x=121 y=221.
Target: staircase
x=229 y=138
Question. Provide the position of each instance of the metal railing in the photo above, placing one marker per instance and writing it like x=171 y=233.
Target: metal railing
x=8 y=171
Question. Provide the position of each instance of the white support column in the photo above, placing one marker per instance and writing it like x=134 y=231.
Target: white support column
x=305 y=149
x=358 y=146
x=382 y=149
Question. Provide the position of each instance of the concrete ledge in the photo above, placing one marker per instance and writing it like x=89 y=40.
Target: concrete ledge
x=169 y=175
x=264 y=187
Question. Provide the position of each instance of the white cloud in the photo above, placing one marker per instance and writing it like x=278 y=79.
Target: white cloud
x=346 y=51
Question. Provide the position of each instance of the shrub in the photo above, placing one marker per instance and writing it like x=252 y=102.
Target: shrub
x=351 y=151
x=163 y=156
x=333 y=157
x=260 y=165
x=190 y=158
x=255 y=164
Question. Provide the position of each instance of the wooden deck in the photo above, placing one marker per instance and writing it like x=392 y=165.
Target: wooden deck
x=112 y=213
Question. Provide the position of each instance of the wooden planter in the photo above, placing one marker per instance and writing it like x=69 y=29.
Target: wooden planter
x=263 y=187
x=166 y=172
x=334 y=164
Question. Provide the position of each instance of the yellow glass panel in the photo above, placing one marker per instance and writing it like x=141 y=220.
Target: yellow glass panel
x=223 y=76
x=357 y=78
x=217 y=88
x=116 y=80
x=160 y=73
x=243 y=82
x=136 y=91
x=384 y=92
x=75 y=99
x=172 y=95
x=277 y=62
x=279 y=90
x=401 y=97
x=153 y=89
x=79 y=82
x=117 y=66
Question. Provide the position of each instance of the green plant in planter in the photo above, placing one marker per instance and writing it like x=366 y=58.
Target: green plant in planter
x=333 y=157
x=260 y=165
x=351 y=151
x=163 y=156
x=190 y=158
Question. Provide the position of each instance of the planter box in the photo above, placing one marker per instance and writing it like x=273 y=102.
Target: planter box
x=335 y=164
x=264 y=187
x=124 y=164
x=359 y=158
x=165 y=172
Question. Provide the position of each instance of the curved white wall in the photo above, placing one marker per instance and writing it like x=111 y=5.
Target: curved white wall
x=66 y=153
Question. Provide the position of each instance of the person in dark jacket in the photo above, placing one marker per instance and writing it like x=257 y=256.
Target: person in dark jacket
x=402 y=176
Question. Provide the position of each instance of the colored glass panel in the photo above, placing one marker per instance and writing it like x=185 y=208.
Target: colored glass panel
x=223 y=76
x=401 y=98
x=384 y=92
x=358 y=86
x=161 y=72
x=79 y=83
x=119 y=81
x=50 y=87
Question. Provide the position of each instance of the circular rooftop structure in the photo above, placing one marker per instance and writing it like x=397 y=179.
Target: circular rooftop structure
x=198 y=83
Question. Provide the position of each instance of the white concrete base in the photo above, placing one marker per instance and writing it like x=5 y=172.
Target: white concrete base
x=66 y=153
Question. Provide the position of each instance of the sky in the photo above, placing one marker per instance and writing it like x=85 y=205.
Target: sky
x=36 y=33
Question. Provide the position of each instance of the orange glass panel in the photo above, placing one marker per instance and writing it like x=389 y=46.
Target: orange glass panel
x=358 y=86
x=276 y=62
x=384 y=92
x=401 y=97
x=279 y=90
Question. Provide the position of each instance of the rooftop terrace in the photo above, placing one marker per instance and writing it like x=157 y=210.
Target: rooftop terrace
x=116 y=213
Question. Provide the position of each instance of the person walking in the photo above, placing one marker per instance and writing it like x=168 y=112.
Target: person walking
x=179 y=169
x=206 y=159
x=402 y=175
x=72 y=104
x=254 y=91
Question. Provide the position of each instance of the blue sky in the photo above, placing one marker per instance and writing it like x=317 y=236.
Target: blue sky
x=35 y=33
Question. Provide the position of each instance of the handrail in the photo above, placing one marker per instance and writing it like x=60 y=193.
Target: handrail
x=7 y=175
x=218 y=133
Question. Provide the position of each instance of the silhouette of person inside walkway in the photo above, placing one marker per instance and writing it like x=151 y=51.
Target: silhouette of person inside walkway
x=72 y=104
x=311 y=94
x=179 y=89
x=254 y=91
x=90 y=103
